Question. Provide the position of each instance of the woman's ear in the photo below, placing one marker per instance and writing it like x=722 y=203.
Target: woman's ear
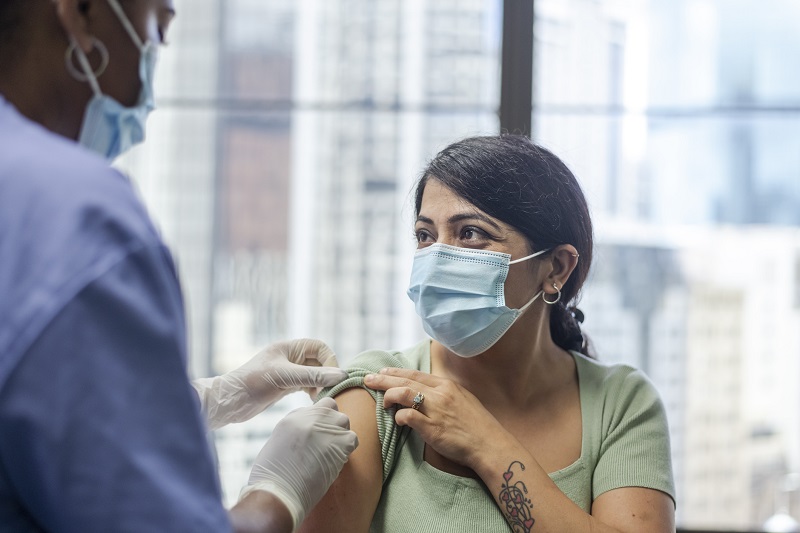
x=563 y=260
x=72 y=15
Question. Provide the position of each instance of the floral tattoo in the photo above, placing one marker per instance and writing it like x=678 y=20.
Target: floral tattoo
x=517 y=507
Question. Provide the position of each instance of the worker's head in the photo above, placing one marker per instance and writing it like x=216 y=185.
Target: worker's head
x=64 y=53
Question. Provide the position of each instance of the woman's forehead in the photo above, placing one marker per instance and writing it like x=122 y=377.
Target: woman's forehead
x=442 y=204
x=437 y=197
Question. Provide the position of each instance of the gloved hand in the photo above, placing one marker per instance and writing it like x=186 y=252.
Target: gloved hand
x=271 y=374
x=303 y=457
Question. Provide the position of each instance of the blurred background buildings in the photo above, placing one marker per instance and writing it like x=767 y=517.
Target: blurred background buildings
x=289 y=134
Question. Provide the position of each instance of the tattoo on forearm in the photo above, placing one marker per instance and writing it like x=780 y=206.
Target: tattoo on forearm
x=517 y=506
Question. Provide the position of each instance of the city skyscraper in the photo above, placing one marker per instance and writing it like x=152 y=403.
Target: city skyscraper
x=378 y=90
x=176 y=169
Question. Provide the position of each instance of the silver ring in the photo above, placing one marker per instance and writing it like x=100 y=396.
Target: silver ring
x=417 y=401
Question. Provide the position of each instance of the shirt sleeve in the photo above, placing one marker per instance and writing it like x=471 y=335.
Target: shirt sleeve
x=101 y=429
x=390 y=434
x=635 y=451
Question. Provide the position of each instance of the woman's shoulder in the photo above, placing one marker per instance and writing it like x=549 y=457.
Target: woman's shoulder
x=626 y=432
x=390 y=435
x=374 y=360
x=614 y=383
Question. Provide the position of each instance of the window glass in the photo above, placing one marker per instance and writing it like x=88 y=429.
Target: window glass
x=280 y=162
x=680 y=118
x=288 y=135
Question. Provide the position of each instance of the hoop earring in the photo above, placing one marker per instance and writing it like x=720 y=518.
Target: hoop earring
x=77 y=74
x=557 y=297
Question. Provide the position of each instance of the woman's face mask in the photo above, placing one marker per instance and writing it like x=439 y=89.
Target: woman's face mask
x=459 y=293
x=109 y=128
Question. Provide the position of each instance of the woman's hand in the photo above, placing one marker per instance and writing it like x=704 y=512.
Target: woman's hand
x=450 y=419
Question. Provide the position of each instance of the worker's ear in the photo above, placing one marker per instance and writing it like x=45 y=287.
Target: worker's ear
x=73 y=15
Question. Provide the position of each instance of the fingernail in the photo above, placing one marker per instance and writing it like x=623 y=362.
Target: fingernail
x=382 y=370
x=369 y=378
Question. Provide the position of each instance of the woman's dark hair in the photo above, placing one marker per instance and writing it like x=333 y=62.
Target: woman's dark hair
x=524 y=185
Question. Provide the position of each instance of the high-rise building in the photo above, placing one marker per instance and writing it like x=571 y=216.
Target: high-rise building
x=380 y=86
x=721 y=349
x=253 y=179
x=317 y=117
x=176 y=169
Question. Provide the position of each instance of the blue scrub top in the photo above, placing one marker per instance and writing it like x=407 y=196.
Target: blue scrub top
x=99 y=427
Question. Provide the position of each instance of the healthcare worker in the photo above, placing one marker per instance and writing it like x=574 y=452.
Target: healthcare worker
x=100 y=429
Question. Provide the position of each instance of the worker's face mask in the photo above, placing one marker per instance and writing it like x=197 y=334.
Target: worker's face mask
x=109 y=128
x=459 y=294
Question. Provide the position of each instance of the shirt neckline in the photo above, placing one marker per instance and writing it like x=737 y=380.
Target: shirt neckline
x=418 y=444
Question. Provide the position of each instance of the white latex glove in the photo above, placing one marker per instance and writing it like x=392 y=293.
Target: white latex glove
x=303 y=457
x=271 y=374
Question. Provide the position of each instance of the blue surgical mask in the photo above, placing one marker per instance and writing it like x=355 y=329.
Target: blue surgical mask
x=109 y=128
x=459 y=294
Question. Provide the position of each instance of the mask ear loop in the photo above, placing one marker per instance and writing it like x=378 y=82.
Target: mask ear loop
x=126 y=23
x=88 y=74
x=540 y=293
x=527 y=305
x=521 y=259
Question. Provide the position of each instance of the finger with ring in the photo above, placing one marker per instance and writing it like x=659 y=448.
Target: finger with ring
x=417 y=401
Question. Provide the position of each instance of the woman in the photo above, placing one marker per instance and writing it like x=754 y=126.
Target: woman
x=499 y=417
x=100 y=427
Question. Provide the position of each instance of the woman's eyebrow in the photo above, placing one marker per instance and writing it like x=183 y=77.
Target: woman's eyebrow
x=461 y=217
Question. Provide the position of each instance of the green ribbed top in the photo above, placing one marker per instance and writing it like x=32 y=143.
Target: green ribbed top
x=625 y=443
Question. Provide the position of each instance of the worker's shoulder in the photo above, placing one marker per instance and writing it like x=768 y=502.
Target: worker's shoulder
x=66 y=219
x=51 y=185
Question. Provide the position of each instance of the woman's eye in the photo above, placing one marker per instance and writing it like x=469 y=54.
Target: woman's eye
x=423 y=236
x=470 y=234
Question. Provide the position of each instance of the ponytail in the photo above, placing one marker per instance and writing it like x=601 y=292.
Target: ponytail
x=565 y=328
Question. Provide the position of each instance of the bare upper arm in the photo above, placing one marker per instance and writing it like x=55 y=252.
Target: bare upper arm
x=350 y=503
x=636 y=509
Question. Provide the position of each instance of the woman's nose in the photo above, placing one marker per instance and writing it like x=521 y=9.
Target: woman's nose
x=446 y=238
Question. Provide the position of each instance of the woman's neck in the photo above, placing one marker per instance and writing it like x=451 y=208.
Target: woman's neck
x=522 y=368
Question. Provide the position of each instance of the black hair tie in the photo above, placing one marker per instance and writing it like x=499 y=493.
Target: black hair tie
x=577 y=314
